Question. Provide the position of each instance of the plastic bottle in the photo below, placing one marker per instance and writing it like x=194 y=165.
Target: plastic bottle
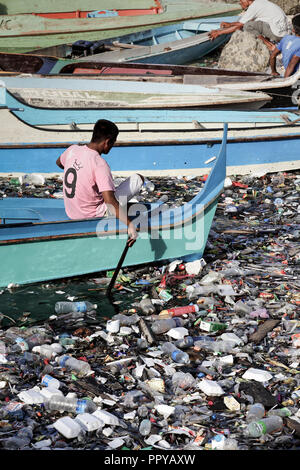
x=183 y=380
x=186 y=342
x=36 y=340
x=211 y=277
x=49 y=381
x=71 y=405
x=14 y=336
x=241 y=307
x=255 y=412
x=178 y=311
x=70 y=363
x=197 y=291
x=214 y=346
x=126 y=320
x=32 y=178
x=148 y=185
x=177 y=355
x=67 y=307
x=264 y=426
x=147 y=306
x=164 y=325
x=145 y=427
x=282 y=412
x=45 y=350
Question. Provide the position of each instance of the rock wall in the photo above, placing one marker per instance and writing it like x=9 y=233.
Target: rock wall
x=244 y=52
x=290 y=7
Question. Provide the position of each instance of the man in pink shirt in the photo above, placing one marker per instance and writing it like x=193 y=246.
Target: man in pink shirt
x=88 y=186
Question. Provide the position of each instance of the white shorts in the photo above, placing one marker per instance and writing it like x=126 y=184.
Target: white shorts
x=127 y=190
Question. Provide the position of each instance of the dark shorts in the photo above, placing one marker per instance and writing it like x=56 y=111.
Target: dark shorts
x=260 y=27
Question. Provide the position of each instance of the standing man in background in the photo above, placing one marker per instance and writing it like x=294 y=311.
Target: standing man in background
x=262 y=18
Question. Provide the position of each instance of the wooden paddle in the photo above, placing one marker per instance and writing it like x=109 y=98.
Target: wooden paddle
x=115 y=275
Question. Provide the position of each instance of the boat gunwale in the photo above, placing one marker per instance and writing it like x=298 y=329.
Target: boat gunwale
x=48 y=32
x=156 y=143
x=120 y=231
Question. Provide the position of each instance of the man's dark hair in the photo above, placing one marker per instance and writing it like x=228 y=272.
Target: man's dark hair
x=296 y=24
x=104 y=129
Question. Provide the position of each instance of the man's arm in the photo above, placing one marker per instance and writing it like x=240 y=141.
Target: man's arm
x=273 y=62
x=224 y=24
x=111 y=201
x=291 y=67
x=231 y=29
x=58 y=163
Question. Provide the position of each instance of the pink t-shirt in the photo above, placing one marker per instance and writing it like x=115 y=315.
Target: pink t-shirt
x=86 y=175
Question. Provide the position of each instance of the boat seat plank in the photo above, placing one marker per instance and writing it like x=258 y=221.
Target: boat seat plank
x=10 y=215
x=125 y=45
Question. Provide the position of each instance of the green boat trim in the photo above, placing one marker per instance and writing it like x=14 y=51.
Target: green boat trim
x=25 y=33
x=16 y=7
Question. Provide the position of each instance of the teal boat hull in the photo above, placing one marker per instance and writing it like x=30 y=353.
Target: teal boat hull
x=38 y=243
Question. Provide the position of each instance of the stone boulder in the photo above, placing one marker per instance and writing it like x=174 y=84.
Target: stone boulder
x=290 y=7
x=244 y=52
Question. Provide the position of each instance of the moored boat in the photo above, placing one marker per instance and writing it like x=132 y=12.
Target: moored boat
x=58 y=99
x=38 y=242
x=179 y=43
x=260 y=141
x=23 y=32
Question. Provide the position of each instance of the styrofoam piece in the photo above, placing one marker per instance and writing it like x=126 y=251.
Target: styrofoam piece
x=113 y=326
x=116 y=443
x=89 y=422
x=31 y=396
x=125 y=331
x=210 y=388
x=106 y=417
x=130 y=415
x=68 y=427
x=194 y=267
x=165 y=410
x=257 y=374
x=226 y=359
x=153 y=439
x=3 y=359
x=178 y=333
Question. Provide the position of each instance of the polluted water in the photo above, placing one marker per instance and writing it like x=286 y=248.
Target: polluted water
x=186 y=356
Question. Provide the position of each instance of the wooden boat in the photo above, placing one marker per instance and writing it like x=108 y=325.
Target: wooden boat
x=282 y=89
x=16 y=7
x=164 y=145
x=14 y=64
x=103 y=13
x=39 y=243
x=57 y=100
x=21 y=32
x=179 y=43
